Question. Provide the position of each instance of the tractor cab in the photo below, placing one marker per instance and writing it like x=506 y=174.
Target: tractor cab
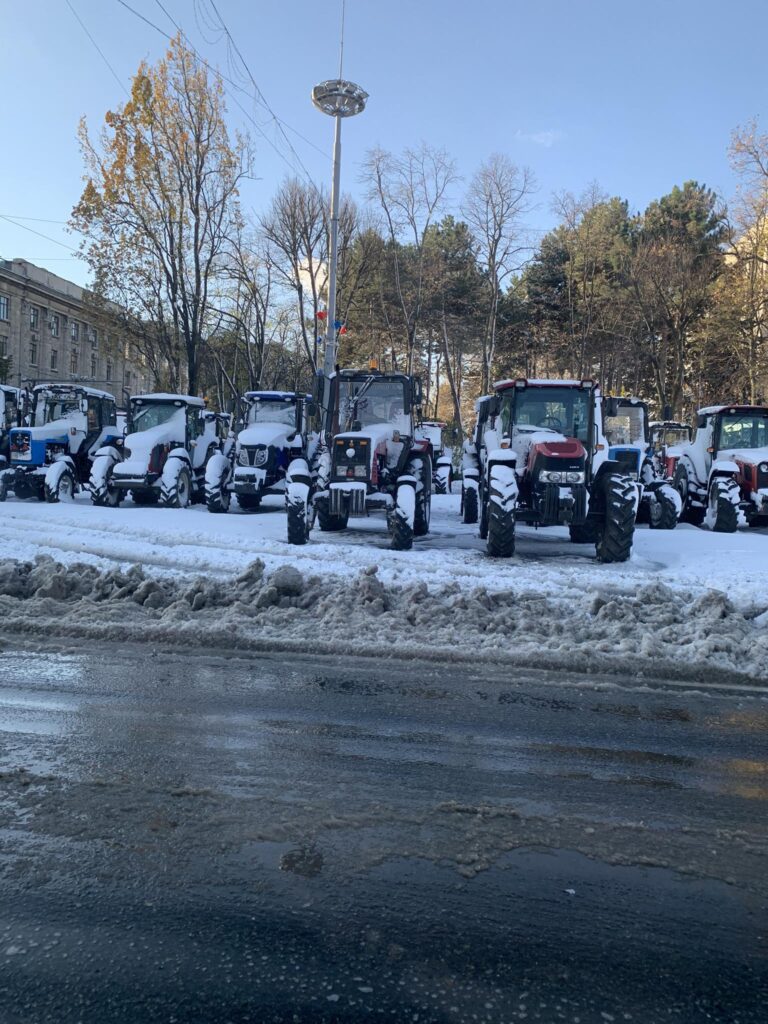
x=627 y=432
x=11 y=415
x=374 y=457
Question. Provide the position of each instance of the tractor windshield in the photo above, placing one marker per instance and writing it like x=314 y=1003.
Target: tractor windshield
x=56 y=406
x=272 y=411
x=564 y=410
x=9 y=409
x=671 y=436
x=627 y=426
x=370 y=400
x=744 y=430
x=146 y=415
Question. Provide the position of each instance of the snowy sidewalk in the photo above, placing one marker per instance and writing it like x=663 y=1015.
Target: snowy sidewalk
x=689 y=603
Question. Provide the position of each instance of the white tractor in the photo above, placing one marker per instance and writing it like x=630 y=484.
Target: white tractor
x=169 y=441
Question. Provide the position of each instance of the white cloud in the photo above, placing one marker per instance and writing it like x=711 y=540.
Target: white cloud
x=545 y=138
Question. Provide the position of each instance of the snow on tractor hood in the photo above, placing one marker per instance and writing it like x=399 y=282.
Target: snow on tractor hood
x=273 y=435
x=754 y=456
x=56 y=430
x=549 y=443
x=141 y=443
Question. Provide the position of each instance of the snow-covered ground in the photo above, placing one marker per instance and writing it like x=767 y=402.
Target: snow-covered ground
x=689 y=600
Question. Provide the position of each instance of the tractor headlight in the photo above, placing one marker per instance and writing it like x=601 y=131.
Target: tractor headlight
x=764 y=467
x=552 y=476
x=361 y=472
x=575 y=477
x=242 y=457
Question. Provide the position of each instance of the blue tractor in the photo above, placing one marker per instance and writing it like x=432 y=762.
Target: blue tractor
x=627 y=432
x=51 y=458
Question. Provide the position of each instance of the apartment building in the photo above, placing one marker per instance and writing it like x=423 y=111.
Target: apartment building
x=50 y=333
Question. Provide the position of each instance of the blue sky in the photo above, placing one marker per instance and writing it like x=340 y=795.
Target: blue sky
x=637 y=95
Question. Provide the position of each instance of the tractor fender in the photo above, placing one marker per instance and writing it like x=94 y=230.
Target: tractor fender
x=505 y=456
x=444 y=460
x=179 y=453
x=298 y=473
x=110 y=450
x=63 y=457
x=407 y=478
x=217 y=467
x=723 y=467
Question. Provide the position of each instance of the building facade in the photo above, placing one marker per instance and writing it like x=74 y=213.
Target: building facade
x=50 y=334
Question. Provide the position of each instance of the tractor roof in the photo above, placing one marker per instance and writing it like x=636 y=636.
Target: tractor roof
x=713 y=410
x=69 y=388
x=275 y=396
x=163 y=396
x=535 y=382
x=384 y=374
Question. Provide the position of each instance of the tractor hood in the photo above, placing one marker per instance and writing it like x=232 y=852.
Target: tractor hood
x=57 y=430
x=272 y=435
x=753 y=456
x=547 y=443
x=141 y=443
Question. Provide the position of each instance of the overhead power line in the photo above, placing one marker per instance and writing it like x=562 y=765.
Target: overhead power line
x=98 y=48
x=40 y=234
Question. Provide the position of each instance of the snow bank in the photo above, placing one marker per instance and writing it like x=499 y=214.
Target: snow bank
x=653 y=632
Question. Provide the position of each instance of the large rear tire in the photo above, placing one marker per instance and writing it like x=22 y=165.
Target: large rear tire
x=469 y=505
x=327 y=522
x=662 y=512
x=62 y=488
x=102 y=493
x=616 y=530
x=298 y=526
x=499 y=511
x=249 y=502
x=723 y=508
x=693 y=514
x=218 y=496
x=176 y=489
x=422 y=470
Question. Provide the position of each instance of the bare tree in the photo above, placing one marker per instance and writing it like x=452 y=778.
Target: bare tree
x=498 y=197
x=411 y=191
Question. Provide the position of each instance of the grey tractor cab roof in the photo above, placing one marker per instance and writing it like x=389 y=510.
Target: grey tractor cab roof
x=713 y=410
x=162 y=396
x=68 y=388
x=275 y=396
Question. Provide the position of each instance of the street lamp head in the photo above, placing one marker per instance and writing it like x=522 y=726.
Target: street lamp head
x=339 y=98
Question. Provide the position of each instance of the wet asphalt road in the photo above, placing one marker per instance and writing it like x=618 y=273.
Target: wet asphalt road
x=208 y=840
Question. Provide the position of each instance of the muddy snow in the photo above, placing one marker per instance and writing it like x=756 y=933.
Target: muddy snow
x=690 y=604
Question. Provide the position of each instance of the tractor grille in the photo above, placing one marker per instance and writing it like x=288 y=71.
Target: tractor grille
x=350 y=502
x=629 y=461
x=257 y=455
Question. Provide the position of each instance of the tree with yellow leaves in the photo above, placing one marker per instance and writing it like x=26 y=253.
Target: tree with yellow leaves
x=160 y=209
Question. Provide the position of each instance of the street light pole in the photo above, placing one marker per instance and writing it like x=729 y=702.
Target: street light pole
x=337 y=98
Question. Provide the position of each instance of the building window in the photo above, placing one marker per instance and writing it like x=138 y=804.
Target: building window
x=109 y=370
x=34 y=318
x=128 y=379
x=93 y=366
x=73 y=361
x=93 y=337
x=54 y=325
x=4 y=304
x=54 y=359
x=33 y=353
x=74 y=330
x=3 y=345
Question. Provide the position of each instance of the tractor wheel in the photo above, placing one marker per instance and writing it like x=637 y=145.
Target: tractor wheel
x=442 y=480
x=755 y=522
x=400 y=519
x=218 y=496
x=723 y=509
x=61 y=488
x=693 y=514
x=583 y=533
x=663 y=512
x=298 y=525
x=329 y=523
x=469 y=505
x=101 y=492
x=617 y=528
x=482 y=516
x=422 y=470
x=498 y=511
x=249 y=502
x=3 y=488
x=144 y=497
x=177 y=491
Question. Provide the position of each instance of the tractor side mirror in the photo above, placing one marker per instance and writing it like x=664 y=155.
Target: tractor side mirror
x=494 y=406
x=418 y=392
x=610 y=406
x=701 y=422
x=311 y=409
